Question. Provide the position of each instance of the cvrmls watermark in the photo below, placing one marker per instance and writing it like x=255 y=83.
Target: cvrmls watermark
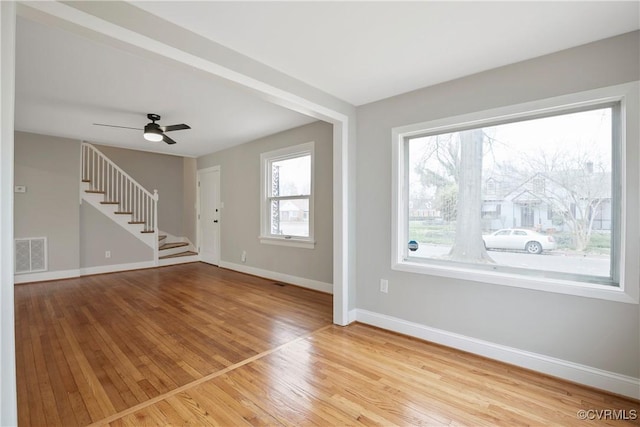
x=607 y=414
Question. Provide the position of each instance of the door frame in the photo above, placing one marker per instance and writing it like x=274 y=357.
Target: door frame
x=200 y=172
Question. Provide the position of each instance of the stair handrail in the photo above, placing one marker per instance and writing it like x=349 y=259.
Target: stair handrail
x=119 y=169
x=107 y=177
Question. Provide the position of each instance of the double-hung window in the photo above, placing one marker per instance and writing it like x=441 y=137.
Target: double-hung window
x=534 y=195
x=287 y=196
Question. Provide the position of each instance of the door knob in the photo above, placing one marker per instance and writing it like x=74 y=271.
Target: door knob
x=215 y=220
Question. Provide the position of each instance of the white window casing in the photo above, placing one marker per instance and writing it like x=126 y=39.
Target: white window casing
x=267 y=235
x=626 y=183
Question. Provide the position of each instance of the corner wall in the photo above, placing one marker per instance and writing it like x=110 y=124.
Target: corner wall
x=592 y=335
x=77 y=234
x=49 y=169
x=240 y=218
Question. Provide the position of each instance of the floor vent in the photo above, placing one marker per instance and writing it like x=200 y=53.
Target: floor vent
x=30 y=255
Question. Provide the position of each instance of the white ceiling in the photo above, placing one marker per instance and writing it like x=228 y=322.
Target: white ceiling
x=357 y=51
x=65 y=83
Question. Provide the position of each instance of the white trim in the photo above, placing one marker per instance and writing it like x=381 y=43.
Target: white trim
x=8 y=394
x=281 y=277
x=582 y=374
x=86 y=271
x=515 y=280
x=344 y=259
x=629 y=289
x=46 y=276
x=291 y=241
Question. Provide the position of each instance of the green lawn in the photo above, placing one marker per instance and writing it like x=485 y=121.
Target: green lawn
x=444 y=234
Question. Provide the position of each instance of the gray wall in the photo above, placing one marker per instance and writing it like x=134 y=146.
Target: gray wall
x=240 y=193
x=597 y=333
x=78 y=235
x=99 y=234
x=164 y=173
x=49 y=168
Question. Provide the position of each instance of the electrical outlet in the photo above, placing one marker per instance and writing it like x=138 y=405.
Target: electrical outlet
x=384 y=286
x=243 y=257
x=107 y=254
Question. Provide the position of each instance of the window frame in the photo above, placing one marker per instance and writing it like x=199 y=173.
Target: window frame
x=625 y=156
x=266 y=159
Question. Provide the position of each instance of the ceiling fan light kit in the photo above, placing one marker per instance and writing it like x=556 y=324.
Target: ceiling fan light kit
x=152 y=131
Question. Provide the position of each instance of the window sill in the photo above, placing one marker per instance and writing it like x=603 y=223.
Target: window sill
x=559 y=286
x=291 y=241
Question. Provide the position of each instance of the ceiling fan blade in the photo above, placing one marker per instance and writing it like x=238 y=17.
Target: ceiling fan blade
x=114 y=126
x=168 y=140
x=174 y=127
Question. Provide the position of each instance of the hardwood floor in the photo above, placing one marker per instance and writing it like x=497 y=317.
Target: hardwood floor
x=193 y=344
x=91 y=347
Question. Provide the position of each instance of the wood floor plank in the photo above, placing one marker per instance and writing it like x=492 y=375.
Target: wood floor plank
x=361 y=375
x=198 y=345
x=88 y=348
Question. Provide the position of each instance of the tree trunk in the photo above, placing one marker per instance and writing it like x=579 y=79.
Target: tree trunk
x=468 y=245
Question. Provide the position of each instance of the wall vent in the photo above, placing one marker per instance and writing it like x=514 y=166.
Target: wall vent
x=30 y=255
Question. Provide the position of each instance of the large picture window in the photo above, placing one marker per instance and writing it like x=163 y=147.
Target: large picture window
x=535 y=195
x=287 y=196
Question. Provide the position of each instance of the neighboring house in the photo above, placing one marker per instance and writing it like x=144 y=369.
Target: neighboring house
x=293 y=210
x=547 y=202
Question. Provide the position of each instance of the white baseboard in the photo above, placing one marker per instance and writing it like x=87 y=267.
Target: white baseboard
x=116 y=267
x=45 y=276
x=281 y=277
x=575 y=372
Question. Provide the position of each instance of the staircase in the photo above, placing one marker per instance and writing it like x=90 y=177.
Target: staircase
x=113 y=192
x=173 y=252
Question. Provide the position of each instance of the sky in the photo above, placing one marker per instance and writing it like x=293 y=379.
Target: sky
x=587 y=133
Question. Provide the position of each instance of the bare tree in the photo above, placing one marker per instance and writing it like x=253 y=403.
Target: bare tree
x=468 y=245
x=452 y=163
x=577 y=187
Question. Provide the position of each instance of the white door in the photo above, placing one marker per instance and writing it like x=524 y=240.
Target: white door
x=209 y=215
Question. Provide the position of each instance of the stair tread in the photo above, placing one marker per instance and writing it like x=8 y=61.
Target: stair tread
x=172 y=245
x=181 y=254
x=123 y=213
x=148 y=231
x=94 y=191
x=136 y=222
x=110 y=203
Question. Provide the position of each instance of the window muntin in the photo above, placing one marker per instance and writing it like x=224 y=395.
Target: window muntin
x=561 y=162
x=287 y=196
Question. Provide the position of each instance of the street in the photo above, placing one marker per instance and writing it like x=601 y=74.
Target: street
x=550 y=261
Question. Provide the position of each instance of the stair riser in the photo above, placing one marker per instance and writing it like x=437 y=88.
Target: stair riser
x=173 y=251
x=179 y=260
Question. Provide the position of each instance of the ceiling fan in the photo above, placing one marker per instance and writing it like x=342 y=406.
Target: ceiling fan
x=153 y=131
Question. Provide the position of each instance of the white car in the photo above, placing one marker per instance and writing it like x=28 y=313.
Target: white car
x=520 y=239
